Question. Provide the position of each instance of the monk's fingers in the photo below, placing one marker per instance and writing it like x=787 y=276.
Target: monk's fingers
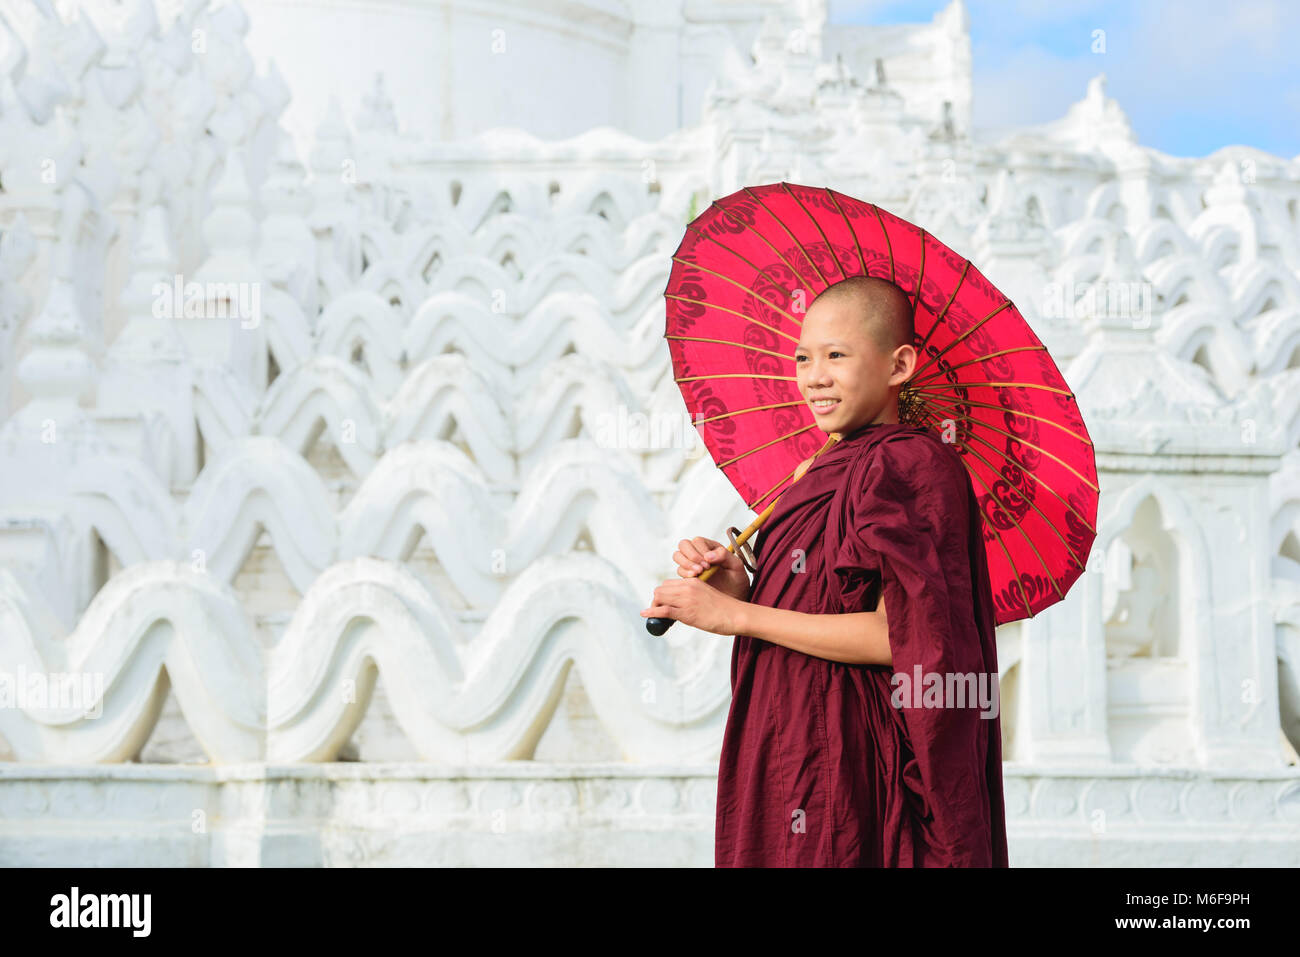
x=715 y=553
x=693 y=553
x=667 y=589
x=710 y=552
x=689 y=552
x=676 y=591
x=669 y=602
x=686 y=567
x=707 y=549
x=663 y=600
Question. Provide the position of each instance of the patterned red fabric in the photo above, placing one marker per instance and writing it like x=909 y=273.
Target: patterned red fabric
x=745 y=272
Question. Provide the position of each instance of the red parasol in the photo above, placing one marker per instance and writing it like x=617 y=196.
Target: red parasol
x=750 y=265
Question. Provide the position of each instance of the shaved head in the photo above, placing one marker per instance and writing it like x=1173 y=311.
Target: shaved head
x=885 y=309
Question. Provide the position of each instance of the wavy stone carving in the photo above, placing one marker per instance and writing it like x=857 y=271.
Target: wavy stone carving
x=455 y=698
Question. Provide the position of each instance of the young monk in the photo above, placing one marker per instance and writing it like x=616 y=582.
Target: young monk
x=831 y=757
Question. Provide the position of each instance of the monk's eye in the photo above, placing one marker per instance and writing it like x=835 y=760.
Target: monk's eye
x=837 y=353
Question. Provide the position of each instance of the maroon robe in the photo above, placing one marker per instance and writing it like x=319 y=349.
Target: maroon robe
x=818 y=767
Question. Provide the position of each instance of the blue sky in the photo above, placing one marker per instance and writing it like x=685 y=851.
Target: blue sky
x=1192 y=75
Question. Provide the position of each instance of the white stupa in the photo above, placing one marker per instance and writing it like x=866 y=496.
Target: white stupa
x=340 y=443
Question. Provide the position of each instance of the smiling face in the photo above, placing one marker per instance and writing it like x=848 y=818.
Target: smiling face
x=841 y=355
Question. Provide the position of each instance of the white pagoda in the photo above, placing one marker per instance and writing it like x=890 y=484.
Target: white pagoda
x=339 y=443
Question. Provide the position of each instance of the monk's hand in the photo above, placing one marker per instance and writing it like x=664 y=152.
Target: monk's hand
x=694 y=603
x=695 y=555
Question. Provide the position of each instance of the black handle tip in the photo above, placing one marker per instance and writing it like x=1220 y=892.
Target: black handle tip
x=657 y=626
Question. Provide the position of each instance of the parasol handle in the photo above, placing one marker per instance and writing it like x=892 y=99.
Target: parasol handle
x=657 y=626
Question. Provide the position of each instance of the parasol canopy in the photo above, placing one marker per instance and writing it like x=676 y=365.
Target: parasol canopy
x=744 y=274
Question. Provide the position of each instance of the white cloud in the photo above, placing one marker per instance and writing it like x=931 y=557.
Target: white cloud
x=1166 y=63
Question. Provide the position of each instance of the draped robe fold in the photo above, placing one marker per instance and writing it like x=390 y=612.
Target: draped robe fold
x=818 y=767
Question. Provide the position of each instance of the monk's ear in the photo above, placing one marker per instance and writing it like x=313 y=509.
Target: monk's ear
x=912 y=360
x=905 y=360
